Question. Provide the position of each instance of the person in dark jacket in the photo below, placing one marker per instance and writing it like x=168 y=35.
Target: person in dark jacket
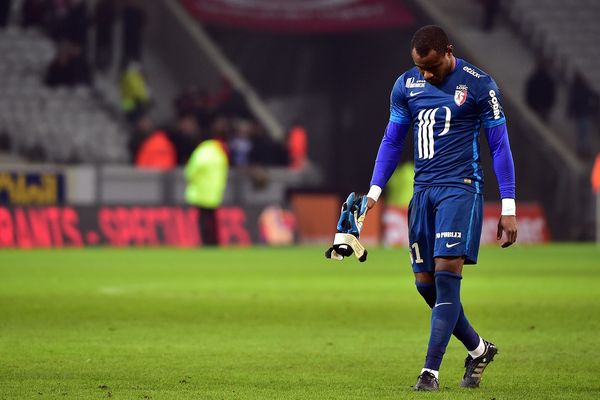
x=105 y=15
x=582 y=105
x=540 y=91
x=134 y=20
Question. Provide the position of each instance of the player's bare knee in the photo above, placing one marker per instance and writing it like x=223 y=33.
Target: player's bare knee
x=451 y=264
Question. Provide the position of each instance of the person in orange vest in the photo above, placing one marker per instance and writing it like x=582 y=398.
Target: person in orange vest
x=595 y=181
x=156 y=152
x=595 y=177
x=297 y=147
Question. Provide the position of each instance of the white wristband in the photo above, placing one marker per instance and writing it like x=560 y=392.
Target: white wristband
x=374 y=192
x=509 y=207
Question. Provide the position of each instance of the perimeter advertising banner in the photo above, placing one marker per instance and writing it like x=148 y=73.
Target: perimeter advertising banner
x=532 y=225
x=121 y=226
x=303 y=16
x=31 y=188
x=47 y=227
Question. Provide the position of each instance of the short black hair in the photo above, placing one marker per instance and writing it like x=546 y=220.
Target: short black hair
x=429 y=37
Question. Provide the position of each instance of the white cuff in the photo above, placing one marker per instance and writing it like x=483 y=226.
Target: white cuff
x=509 y=207
x=374 y=192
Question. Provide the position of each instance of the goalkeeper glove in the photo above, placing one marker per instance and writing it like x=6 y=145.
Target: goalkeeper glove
x=349 y=226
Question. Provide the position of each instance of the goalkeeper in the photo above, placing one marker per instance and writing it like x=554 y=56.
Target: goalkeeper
x=446 y=100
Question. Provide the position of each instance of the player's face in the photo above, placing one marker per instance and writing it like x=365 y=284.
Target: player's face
x=434 y=66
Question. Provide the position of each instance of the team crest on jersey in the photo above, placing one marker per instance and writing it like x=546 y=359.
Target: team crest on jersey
x=460 y=95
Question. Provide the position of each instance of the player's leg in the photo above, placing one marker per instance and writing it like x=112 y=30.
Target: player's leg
x=463 y=331
x=453 y=219
x=421 y=234
x=446 y=310
x=458 y=231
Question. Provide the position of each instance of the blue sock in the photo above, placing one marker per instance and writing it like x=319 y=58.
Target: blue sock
x=443 y=316
x=463 y=329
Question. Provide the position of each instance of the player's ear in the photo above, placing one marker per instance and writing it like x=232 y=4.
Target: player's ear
x=449 y=49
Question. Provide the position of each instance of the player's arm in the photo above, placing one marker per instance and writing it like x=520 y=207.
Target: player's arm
x=502 y=161
x=392 y=143
x=505 y=174
x=387 y=159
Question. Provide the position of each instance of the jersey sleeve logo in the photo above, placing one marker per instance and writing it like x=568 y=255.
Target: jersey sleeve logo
x=460 y=95
x=411 y=83
x=495 y=104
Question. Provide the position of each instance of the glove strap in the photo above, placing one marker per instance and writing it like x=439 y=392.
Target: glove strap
x=350 y=240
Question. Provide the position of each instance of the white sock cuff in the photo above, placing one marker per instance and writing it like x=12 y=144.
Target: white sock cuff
x=479 y=350
x=434 y=372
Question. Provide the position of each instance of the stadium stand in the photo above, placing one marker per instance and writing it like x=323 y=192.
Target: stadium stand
x=63 y=124
x=562 y=33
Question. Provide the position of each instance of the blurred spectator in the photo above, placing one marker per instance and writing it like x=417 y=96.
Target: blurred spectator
x=35 y=153
x=206 y=106
x=156 y=151
x=240 y=144
x=141 y=130
x=34 y=13
x=135 y=95
x=297 y=147
x=185 y=137
x=490 y=11
x=68 y=68
x=540 y=91
x=5 y=141
x=206 y=176
x=134 y=20
x=595 y=177
x=56 y=19
x=105 y=15
x=399 y=189
x=266 y=151
x=5 y=6
x=582 y=105
x=76 y=23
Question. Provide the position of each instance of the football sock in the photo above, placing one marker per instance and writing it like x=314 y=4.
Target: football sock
x=463 y=329
x=427 y=291
x=443 y=317
x=479 y=350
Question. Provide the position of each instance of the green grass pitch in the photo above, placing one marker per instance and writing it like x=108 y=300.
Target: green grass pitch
x=263 y=323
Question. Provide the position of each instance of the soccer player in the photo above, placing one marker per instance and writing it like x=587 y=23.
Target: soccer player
x=446 y=100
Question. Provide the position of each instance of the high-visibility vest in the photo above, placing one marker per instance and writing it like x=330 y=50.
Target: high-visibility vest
x=206 y=175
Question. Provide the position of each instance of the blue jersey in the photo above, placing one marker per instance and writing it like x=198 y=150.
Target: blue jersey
x=446 y=121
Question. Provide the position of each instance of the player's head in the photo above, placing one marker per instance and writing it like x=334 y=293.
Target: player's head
x=432 y=53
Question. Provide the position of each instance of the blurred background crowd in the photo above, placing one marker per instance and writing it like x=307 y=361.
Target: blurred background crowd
x=296 y=94
x=87 y=43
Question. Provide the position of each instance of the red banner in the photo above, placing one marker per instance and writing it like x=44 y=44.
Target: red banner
x=532 y=225
x=33 y=227
x=303 y=16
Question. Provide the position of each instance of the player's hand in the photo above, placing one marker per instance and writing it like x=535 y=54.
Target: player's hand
x=508 y=225
x=370 y=203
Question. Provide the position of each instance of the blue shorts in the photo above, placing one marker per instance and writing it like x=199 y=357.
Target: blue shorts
x=444 y=221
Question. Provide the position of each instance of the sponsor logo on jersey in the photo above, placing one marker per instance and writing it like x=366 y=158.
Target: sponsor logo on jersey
x=412 y=83
x=495 y=104
x=471 y=71
x=456 y=235
x=460 y=95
